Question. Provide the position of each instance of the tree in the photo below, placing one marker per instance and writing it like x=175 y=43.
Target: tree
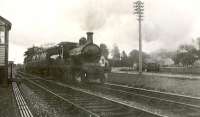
x=186 y=54
x=176 y=58
x=115 y=61
x=30 y=53
x=124 y=56
x=198 y=43
x=115 y=53
x=124 y=59
x=188 y=58
x=198 y=47
x=104 y=50
x=133 y=57
x=187 y=48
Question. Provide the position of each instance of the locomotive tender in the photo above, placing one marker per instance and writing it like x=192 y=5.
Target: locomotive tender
x=71 y=61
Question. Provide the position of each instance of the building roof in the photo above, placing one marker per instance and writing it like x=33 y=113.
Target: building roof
x=6 y=22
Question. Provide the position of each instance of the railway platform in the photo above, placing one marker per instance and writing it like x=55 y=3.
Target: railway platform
x=8 y=106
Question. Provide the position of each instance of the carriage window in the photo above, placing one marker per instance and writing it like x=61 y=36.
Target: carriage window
x=2 y=35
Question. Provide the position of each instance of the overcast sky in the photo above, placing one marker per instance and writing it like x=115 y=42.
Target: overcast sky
x=166 y=24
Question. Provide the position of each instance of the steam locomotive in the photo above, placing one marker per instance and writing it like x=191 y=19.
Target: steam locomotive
x=70 y=61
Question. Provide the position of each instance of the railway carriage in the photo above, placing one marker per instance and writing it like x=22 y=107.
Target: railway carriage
x=73 y=61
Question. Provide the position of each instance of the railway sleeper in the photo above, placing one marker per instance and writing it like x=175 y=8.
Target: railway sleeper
x=81 y=98
x=85 y=101
x=116 y=114
x=96 y=109
x=100 y=106
x=90 y=103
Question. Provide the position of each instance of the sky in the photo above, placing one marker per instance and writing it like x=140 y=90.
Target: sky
x=166 y=23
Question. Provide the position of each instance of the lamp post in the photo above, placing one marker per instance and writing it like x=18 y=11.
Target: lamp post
x=139 y=9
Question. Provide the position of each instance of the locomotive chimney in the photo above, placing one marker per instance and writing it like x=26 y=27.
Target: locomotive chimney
x=90 y=37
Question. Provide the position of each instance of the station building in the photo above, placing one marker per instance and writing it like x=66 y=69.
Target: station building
x=5 y=27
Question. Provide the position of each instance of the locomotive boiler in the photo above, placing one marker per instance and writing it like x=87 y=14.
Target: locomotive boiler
x=71 y=61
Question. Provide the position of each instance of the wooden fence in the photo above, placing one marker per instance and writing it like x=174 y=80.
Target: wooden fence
x=182 y=70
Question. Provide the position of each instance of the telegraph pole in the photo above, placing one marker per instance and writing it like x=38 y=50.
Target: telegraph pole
x=139 y=9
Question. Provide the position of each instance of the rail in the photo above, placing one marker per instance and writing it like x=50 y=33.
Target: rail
x=22 y=106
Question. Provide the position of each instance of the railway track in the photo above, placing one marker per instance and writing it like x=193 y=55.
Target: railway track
x=92 y=104
x=22 y=106
x=46 y=103
x=163 y=96
x=167 y=104
x=164 y=104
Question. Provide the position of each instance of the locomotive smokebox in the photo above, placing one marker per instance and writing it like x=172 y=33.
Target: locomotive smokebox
x=90 y=37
